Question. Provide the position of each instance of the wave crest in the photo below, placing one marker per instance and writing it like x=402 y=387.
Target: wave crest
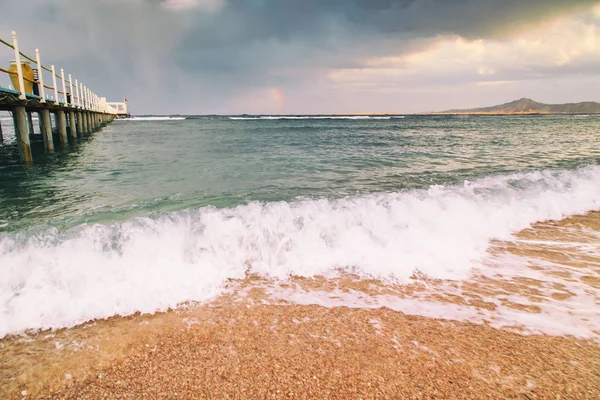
x=56 y=279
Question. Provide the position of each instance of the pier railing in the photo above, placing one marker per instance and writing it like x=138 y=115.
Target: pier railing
x=66 y=92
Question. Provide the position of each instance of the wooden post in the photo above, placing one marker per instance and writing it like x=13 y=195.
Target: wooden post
x=19 y=69
x=71 y=90
x=84 y=96
x=64 y=89
x=79 y=124
x=54 y=83
x=78 y=104
x=72 y=128
x=22 y=134
x=62 y=126
x=46 y=125
x=40 y=76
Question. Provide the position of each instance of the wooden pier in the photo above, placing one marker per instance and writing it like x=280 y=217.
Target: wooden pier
x=77 y=110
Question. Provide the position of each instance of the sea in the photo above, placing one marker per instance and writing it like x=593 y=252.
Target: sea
x=151 y=213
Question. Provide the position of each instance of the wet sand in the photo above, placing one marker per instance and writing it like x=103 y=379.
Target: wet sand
x=247 y=345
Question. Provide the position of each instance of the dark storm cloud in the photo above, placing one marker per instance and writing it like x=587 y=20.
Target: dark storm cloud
x=156 y=55
x=250 y=34
x=249 y=20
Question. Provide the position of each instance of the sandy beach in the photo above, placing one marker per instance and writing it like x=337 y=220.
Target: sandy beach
x=249 y=343
x=242 y=351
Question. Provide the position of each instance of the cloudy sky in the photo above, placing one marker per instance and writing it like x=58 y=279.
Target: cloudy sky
x=315 y=56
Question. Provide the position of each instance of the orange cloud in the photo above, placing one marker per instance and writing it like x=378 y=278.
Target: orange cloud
x=277 y=96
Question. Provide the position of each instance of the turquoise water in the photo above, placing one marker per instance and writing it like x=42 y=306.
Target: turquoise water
x=147 y=214
x=135 y=168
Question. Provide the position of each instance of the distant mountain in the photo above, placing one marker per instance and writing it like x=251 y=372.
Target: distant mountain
x=528 y=106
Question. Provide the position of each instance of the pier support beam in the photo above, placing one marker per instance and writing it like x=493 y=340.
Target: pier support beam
x=83 y=124
x=86 y=125
x=90 y=122
x=22 y=133
x=79 y=124
x=30 y=120
x=62 y=127
x=46 y=126
x=72 y=127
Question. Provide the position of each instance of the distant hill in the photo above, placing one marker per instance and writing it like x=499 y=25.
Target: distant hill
x=528 y=106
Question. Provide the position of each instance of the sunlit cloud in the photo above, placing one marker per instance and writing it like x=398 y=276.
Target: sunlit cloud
x=493 y=83
x=561 y=46
x=186 y=5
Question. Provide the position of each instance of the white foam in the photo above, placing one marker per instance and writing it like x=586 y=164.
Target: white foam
x=293 y=117
x=54 y=279
x=154 y=119
x=580 y=322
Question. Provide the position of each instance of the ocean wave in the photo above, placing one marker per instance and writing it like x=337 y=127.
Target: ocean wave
x=55 y=279
x=154 y=119
x=290 y=117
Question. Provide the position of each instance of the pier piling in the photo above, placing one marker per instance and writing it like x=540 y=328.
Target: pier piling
x=88 y=120
x=46 y=126
x=79 y=125
x=22 y=133
x=30 y=122
x=85 y=123
x=62 y=127
x=72 y=127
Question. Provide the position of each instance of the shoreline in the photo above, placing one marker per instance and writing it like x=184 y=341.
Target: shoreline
x=259 y=340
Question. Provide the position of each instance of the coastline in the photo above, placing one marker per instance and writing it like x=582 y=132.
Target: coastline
x=250 y=344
